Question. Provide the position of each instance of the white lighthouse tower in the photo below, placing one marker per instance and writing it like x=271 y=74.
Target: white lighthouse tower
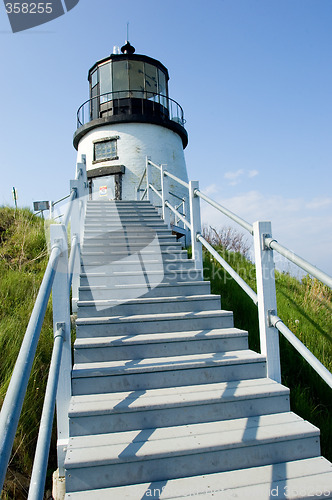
x=129 y=117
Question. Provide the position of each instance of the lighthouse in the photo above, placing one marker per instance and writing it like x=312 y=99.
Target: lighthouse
x=128 y=118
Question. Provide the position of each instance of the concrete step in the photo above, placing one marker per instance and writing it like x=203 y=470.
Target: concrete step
x=145 y=234
x=160 y=454
x=176 y=371
x=130 y=209
x=132 y=291
x=118 y=412
x=99 y=241
x=120 y=348
x=131 y=217
x=139 y=264
x=154 y=245
x=124 y=411
x=88 y=309
x=125 y=217
x=156 y=249
x=130 y=231
x=151 y=224
x=126 y=212
x=120 y=211
x=153 y=323
x=118 y=203
x=292 y=480
x=150 y=254
x=101 y=276
x=100 y=250
x=113 y=226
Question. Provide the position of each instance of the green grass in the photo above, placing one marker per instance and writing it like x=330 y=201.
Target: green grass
x=23 y=260
x=305 y=307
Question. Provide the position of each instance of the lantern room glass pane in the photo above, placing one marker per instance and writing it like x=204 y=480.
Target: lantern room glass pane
x=161 y=82
x=94 y=78
x=162 y=87
x=120 y=78
x=136 y=78
x=105 y=82
x=94 y=103
x=151 y=79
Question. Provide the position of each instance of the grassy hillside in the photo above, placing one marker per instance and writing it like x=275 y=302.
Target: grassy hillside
x=23 y=260
x=305 y=307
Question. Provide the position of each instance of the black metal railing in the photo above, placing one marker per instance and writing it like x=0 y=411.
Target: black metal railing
x=130 y=102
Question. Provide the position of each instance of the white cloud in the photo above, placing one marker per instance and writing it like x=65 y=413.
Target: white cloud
x=234 y=177
x=253 y=173
x=317 y=203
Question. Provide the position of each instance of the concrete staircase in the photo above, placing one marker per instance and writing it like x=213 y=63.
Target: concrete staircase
x=168 y=401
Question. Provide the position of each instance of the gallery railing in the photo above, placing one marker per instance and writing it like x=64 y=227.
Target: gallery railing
x=130 y=102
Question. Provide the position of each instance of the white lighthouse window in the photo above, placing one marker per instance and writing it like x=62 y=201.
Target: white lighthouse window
x=105 y=150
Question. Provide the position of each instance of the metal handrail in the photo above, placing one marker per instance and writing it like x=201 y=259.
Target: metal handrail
x=299 y=261
x=180 y=181
x=66 y=218
x=59 y=201
x=39 y=469
x=144 y=193
x=12 y=405
x=229 y=269
x=179 y=205
x=271 y=243
x=75 y=244
x=141 y=180
x=265 y=242
x=225 y=211
x=154 y=165
x=144 y=95
x=178 y=197
x=302 y=349
x=57 y=278
x=155 y=191
x=180 y=216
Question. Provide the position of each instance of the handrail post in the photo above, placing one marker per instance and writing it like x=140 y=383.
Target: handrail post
x=75 y=228
x=165 y=195
x=61 y=314
x=51 y=214
x=83 y=193
x=184 y=211
x=148 y=179
x=267 y=301
x=195 y=220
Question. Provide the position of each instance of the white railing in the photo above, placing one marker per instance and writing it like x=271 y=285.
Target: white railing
x=61 y=275
x=264 y=244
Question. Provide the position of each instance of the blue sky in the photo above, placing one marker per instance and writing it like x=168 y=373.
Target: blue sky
x=254 y=78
